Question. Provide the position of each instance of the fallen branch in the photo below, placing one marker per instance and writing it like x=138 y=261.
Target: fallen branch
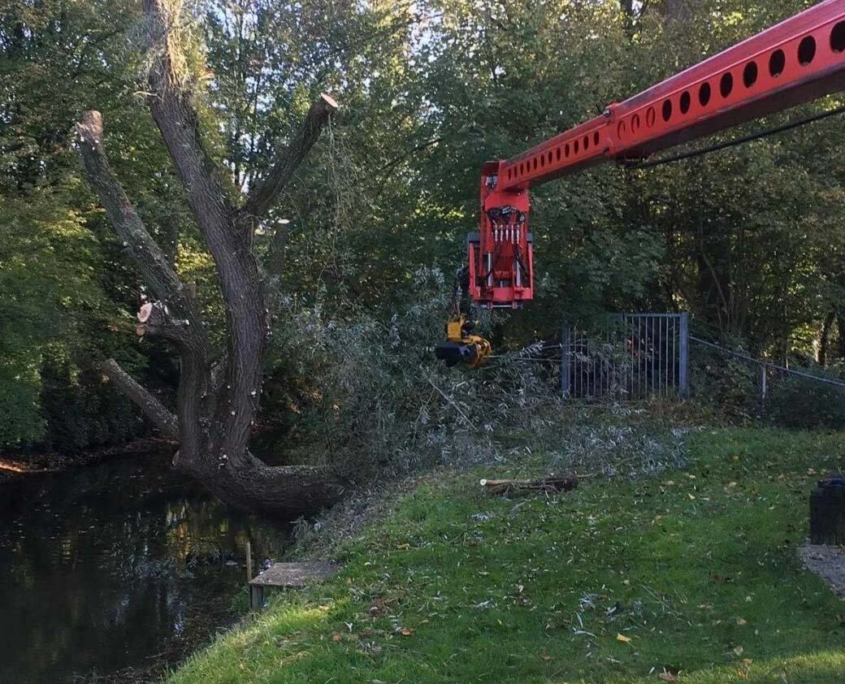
x=453 y=404
x=547 y=484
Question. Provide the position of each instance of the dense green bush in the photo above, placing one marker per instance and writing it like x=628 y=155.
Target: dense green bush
x=369 y=395
x=726 y=383
x=801 y=403
x=81 y=411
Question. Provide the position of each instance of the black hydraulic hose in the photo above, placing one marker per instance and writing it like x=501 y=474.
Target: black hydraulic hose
x=738 y=141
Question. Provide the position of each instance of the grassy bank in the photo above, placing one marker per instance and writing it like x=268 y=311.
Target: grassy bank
x=691 y=574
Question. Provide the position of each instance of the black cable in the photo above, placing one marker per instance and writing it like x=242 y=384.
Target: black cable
x=739 y=141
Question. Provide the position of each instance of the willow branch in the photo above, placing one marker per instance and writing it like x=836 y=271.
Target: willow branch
x=287 y=161
x=152 y=408
x=148 y=257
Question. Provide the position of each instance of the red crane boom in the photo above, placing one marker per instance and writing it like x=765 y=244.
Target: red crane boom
x=798 y=60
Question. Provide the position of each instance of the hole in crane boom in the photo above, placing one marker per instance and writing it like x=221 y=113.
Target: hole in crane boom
x=777 y=63
x=837 y=37
x=807 y=51
x=749 y=76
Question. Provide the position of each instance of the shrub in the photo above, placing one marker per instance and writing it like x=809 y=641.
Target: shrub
x=371 y=399
x=801 y=403
x=729 y=384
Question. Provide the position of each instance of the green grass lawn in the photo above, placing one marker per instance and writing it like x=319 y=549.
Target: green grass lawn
x=692 y=573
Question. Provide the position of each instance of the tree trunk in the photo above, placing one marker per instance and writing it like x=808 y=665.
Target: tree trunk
x=216 y=404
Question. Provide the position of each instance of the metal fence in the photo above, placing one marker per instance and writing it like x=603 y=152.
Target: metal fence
x=634 y=357
x=771 y=377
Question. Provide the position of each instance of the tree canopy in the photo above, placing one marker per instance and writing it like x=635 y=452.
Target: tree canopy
x=748 y=239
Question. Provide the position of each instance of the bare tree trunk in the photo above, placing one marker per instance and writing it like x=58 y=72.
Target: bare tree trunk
x=214 y=418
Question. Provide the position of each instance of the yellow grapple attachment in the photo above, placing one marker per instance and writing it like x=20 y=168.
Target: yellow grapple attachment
x=461 y=345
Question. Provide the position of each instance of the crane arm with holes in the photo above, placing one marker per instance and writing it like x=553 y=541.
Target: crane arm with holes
x=798 y=60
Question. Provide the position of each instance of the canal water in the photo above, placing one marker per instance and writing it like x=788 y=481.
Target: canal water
x=113 y=569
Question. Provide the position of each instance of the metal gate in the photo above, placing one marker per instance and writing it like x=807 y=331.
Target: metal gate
x=634 y=357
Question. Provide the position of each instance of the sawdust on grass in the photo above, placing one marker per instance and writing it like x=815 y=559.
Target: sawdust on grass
x=828 y=562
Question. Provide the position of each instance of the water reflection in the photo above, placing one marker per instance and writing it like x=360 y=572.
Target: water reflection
x=114 y=566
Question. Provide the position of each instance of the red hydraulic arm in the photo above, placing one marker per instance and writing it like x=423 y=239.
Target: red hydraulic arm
x=798 y=60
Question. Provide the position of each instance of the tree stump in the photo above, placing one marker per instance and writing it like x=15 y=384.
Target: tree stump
x=827 y=511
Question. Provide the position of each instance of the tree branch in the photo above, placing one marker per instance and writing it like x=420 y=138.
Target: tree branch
x=145 y=252
x=155 y=319
x=158 y=414
x=286 y=162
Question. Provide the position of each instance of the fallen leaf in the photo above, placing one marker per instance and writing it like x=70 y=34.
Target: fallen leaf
x=741 y=622
x=545 y=656
x=667 y=676
x=738 y=650
x=406 y=631
x=337 y=637
x=623 y=639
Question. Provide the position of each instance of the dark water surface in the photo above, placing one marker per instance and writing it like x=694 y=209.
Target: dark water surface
x=121 y=565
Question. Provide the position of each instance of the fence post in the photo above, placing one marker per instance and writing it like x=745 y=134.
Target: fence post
x=763 y=388
x=683 y=356
x=565 y=368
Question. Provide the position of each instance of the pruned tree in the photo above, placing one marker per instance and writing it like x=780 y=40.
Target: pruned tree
x=219 y=390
